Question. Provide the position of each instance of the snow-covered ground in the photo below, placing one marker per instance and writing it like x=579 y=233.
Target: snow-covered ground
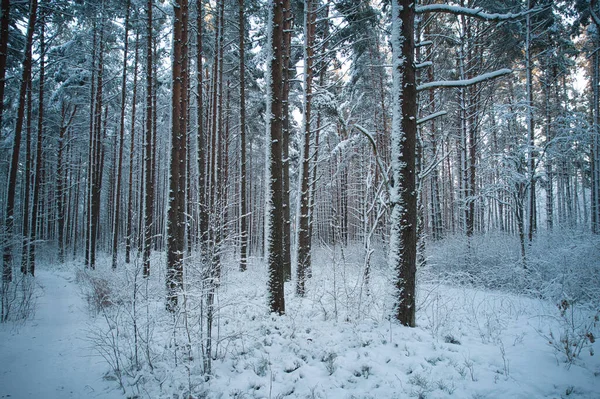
x=337 y=342
x=48 y=356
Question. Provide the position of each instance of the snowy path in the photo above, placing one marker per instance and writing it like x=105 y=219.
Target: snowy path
x=48 y=356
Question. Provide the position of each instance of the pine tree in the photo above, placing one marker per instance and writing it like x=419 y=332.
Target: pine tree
x=176 y=213
x=275 y=127
x=12 y=182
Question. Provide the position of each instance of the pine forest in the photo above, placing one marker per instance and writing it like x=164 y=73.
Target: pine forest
x=300 y=198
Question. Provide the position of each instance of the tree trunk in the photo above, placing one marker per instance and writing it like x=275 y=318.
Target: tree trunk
x=403 y=239
x=176 y=213
x=12 y=182
x=119 y=166
x=530 y=128
x=4 y=24
x=27 y=197
x=202 y=180
x=149 y=187
x=88 y=196
x=548 y=162
x=274 y=199
x=66 y=121
x=97 y=157
x=129 y=222
x=304 y=238
x=595 y=153
x=243 y=207
x=287 y=39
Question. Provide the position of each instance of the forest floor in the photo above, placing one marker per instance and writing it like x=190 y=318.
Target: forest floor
x=48 y=356
x=337 y=342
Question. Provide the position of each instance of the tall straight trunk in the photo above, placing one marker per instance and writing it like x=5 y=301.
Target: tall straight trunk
x=27 y=196
x=129 y=221
x=70 y=194
x=595 y=153
x=403 y=238
x=75 y=224
x=88 y=201
x=4 y=24
x=436 y=212
x=530 y=128
x=548 y=162
x=463 y=160
x=97 y=158
x=275 y=185
x=472 y=178
x=60 y=187
x=66 y=121
x=304 y=239
x=520 y=219
x=214 y=150
x=220 y=149
x=158 y=208
x=119 y=166
x=176 y=213
x=190 y=231
x=141 y=193
x=287 y=67
x=149 y=187
x=12 y=181
x=202 y=180
x=243 y=207
x=313 y=172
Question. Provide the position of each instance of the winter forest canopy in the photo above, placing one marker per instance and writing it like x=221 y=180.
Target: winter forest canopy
x=217 y=175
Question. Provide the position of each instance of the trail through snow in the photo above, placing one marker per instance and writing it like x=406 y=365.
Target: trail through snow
x=48 y=357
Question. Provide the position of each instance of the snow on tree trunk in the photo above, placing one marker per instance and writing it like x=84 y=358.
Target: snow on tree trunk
x=149 y=186
x=176 y=213
x=403 y=196
x=243 y=206
x=274 y=211
x=304 y=238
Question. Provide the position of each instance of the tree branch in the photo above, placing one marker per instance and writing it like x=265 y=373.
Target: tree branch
x=464 y=82
x=471 y=12
x=374 y=146
x=431 y=116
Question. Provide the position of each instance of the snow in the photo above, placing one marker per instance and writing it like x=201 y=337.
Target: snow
x=48 y=356
x=465 y=82
x=337 y=342
x=471 y=12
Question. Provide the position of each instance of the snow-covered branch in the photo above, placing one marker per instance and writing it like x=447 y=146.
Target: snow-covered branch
x=424 y=43
x=424 y=64
x=465 y=82
x=431 y=116
x=471 y=12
